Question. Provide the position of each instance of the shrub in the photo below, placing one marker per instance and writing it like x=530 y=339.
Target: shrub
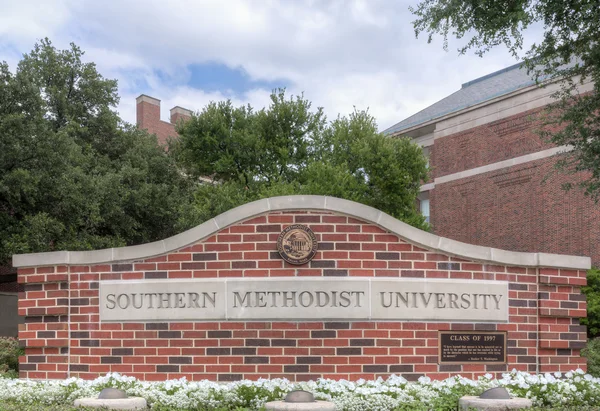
x=9 y=354
x=592 y=292
x=592 y=353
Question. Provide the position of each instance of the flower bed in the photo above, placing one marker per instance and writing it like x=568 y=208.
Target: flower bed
x=573 y=389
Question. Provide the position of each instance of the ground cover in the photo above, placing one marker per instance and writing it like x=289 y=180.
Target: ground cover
x=572 y=390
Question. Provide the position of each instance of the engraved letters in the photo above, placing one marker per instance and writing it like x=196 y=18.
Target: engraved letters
x=303 y=299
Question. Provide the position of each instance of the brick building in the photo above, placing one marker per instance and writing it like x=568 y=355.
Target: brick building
x=488 y=166
x=148 y=118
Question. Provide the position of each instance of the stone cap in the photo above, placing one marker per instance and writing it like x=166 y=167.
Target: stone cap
x=313 y=203
x=181 y=111
x=147 y=99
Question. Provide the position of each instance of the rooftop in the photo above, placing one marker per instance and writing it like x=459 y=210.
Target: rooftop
x=471 y=93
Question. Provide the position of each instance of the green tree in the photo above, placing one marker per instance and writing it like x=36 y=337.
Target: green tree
x=569 y=53
x=72 y=174
x=288 y=149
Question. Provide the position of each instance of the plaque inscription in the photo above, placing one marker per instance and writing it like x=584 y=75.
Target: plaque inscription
x=472 y=347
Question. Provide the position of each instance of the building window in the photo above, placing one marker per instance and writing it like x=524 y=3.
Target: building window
x=427 y=153
x=424 y=205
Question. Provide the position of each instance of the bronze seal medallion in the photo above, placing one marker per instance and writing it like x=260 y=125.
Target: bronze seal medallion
x=297 y=244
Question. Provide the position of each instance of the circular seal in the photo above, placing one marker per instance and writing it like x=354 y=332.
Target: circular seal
x=297 y=244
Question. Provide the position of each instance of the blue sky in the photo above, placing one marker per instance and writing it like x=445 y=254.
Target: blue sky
x=340 y=54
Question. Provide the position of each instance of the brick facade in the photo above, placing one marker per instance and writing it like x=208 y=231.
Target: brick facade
x=492 y=176
x=63 y=336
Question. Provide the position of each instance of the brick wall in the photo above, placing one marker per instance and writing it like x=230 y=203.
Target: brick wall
x=63 y=336
x=488 y=143
x=515 y=209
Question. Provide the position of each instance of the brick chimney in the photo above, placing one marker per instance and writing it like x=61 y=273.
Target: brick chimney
x=180 y=113
x=148 y=118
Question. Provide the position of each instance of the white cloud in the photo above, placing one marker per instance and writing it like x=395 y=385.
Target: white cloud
x=341 y=54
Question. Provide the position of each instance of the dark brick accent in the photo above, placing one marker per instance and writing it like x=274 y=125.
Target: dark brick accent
x=335 y=273
x=157 y=326
x=295 y=368
x=243 y=264
x=80 y=301
x=219 y=334
x=46 y=334
x=375 y=368
x=78 y=367
x=205 y=256
x=517 y=303
x=27 y=367
x=257 y=342
x=180 y=360
x=577 y=345
x=229 y=377
x=412 y=377
x=122 y=351
x=256 y=360
x=387 y=256
x=517 y=287
x=89 y=343
x=283 y=343
x=401 y=368
x=543 y=296
x=33 y=287
x=337 y=326
x=218 y=351
x=243 y=351
x=34 y=319
x=268 y=228
x=349 y=351
x=450 y=368
x=564 y=351
x=80 y=334
x=322 y=264
x=167 y=368
x=169 y=334
x=569 y=336
x=577 y=297
x=110 y=360
x=94 y=285
x=569 y=304
x=362 y=342
x=122 y=267
x=323 y=334
x=496 y=367
x=326 y=246
x=62 y=301
x=448 y=266
x=527 y=359
x=308 y=360
x=155 y=274
x=36 y=358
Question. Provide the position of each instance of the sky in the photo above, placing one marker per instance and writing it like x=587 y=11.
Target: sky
x=343 y=55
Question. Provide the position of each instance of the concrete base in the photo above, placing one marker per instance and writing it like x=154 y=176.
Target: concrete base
x=468 y=402
x=133 y=403
x=300 y=406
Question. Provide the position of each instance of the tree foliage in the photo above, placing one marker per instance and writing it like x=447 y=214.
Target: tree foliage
x=569 y=52
x=288 y=149
x=72 y=175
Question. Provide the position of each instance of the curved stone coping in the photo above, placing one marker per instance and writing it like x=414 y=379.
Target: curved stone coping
x=314 y=203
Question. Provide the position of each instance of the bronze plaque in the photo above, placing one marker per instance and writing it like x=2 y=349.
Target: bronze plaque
x=459 y=347
x=297 y=244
